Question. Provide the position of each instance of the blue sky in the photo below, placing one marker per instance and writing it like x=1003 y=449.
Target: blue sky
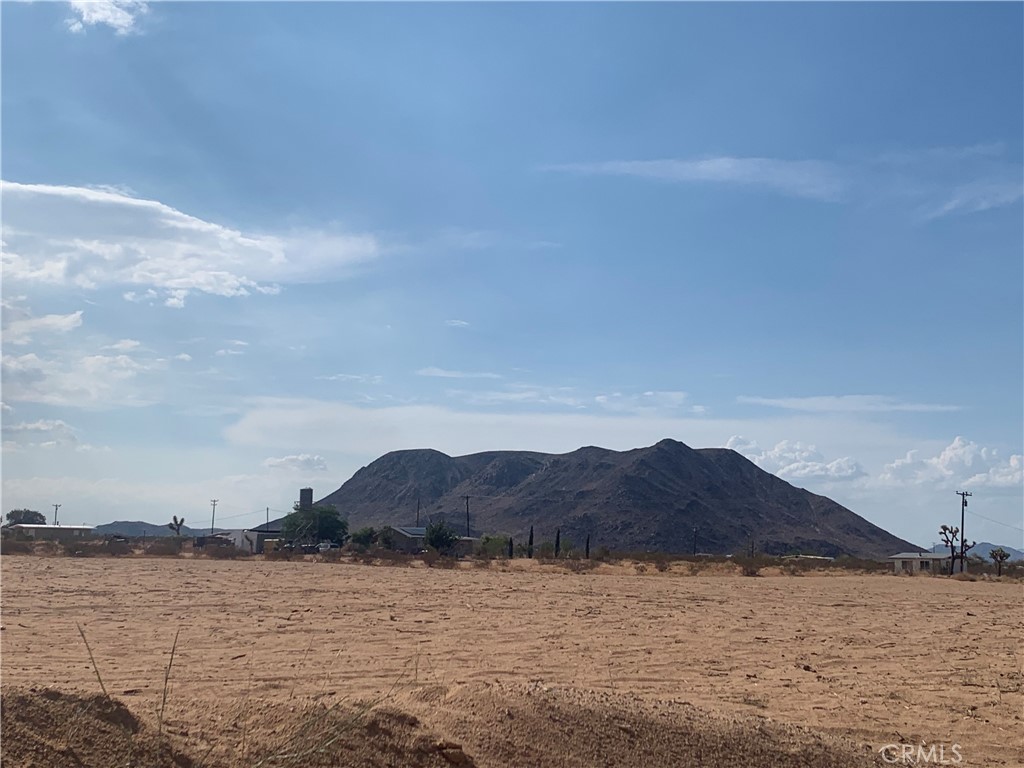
x=249 y=247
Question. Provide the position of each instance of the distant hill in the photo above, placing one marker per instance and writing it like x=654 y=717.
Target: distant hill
x=137 y=529
x=644 y=499
x=982 y=549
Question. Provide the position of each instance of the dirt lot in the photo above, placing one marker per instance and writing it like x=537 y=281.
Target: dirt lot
x=862 y=660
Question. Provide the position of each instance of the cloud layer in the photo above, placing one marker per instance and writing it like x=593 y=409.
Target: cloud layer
x=88 y=238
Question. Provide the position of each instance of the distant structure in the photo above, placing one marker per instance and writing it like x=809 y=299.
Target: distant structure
x=305 y=498
x=53 y=532
x=919 y=562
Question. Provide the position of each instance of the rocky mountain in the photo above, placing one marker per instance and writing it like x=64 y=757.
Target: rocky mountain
x=644 y=499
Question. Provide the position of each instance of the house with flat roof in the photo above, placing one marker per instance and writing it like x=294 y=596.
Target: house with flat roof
x=52 y=532
x=919 y=562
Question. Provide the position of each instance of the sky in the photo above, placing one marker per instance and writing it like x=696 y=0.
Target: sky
x=249 y=247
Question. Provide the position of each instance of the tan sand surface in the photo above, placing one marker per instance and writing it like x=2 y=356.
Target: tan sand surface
x=869 y=658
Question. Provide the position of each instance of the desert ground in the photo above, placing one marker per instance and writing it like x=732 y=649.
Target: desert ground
x=521 y=664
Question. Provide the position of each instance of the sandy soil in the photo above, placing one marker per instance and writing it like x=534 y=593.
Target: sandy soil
x=869 y=660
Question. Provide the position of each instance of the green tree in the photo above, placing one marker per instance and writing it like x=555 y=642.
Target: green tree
x=440 y=537
x=999 y=556
x=25 y=517
x=315 y=524
x=364 y=537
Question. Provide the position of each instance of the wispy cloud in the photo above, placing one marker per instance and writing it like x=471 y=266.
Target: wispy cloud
x=456 y=323
x=302 y=462
x=929 y=182
x=228 y=352
x=124 y=345
x=21 y=331
x=846 y=404
x=119 y=15
x=447 y=374
x=90 y=238
x=799 y=178
x=359 y=378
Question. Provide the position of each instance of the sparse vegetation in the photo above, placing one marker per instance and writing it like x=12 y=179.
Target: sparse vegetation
x=999 y=556
x=440 y=537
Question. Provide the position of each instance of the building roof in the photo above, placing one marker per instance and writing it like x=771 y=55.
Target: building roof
x=411 y=532
x=274 y=526
x=32 y=527
x=919 y=556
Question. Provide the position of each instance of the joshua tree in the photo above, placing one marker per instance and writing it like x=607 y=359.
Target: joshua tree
x=999 y=556
x=558 y=542
x=175 y=524
x=950 y=535
x=529 y=545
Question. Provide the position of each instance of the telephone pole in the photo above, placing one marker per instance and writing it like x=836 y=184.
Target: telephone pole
x=55 y=508
x=963 y=539
x=467 y=515
x=213 y=503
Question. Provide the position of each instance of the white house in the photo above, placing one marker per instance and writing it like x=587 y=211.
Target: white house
x=919 y=562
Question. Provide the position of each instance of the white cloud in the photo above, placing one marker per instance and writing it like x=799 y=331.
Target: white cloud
x=360 y=378
x=456 y=323
x=227 y=352
x=978 y=196
x=447 y=374
x=185 y=357
x=84 y=381
x=238 y=342
x=303 y=462
x=124 y=345
x=89 y=238
x=796 y=461
x=119 y=15
x=520 y=394
x=799 y=178
x=20 y=331
x=846 y=404
x=961 y=463
x=44 y=433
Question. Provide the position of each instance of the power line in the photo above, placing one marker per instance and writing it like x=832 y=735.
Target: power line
x=997 y=522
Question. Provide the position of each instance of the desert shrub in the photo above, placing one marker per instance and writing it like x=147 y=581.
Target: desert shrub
x=394 y=557
x=364 y=537
x=491 y=547
x=965 y=576
x=641 y=567
x=435 y=559
x=576 y=565
x=230 y=552
x=603 y=555
x=545 y=550
x=85 y=548
x=859 y=564
x=10 y=546
x=279 y=554
x=330 y=556
x=168 y=546
x=751 y=566
x=118 y=548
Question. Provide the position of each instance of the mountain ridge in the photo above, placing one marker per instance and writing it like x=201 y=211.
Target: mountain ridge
x=648 y=498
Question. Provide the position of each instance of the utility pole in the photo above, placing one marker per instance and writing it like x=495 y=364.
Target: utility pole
x=467 y=515
x=213 y=503
x=695 y=541
x=963 y=539
x=55 y=508
x=268 y=518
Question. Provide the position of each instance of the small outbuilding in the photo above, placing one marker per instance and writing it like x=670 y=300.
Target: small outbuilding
x=919 y=562
x=53 y=532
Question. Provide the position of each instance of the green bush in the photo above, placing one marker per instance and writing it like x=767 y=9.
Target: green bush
x=440 y=537
x=364 y=537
